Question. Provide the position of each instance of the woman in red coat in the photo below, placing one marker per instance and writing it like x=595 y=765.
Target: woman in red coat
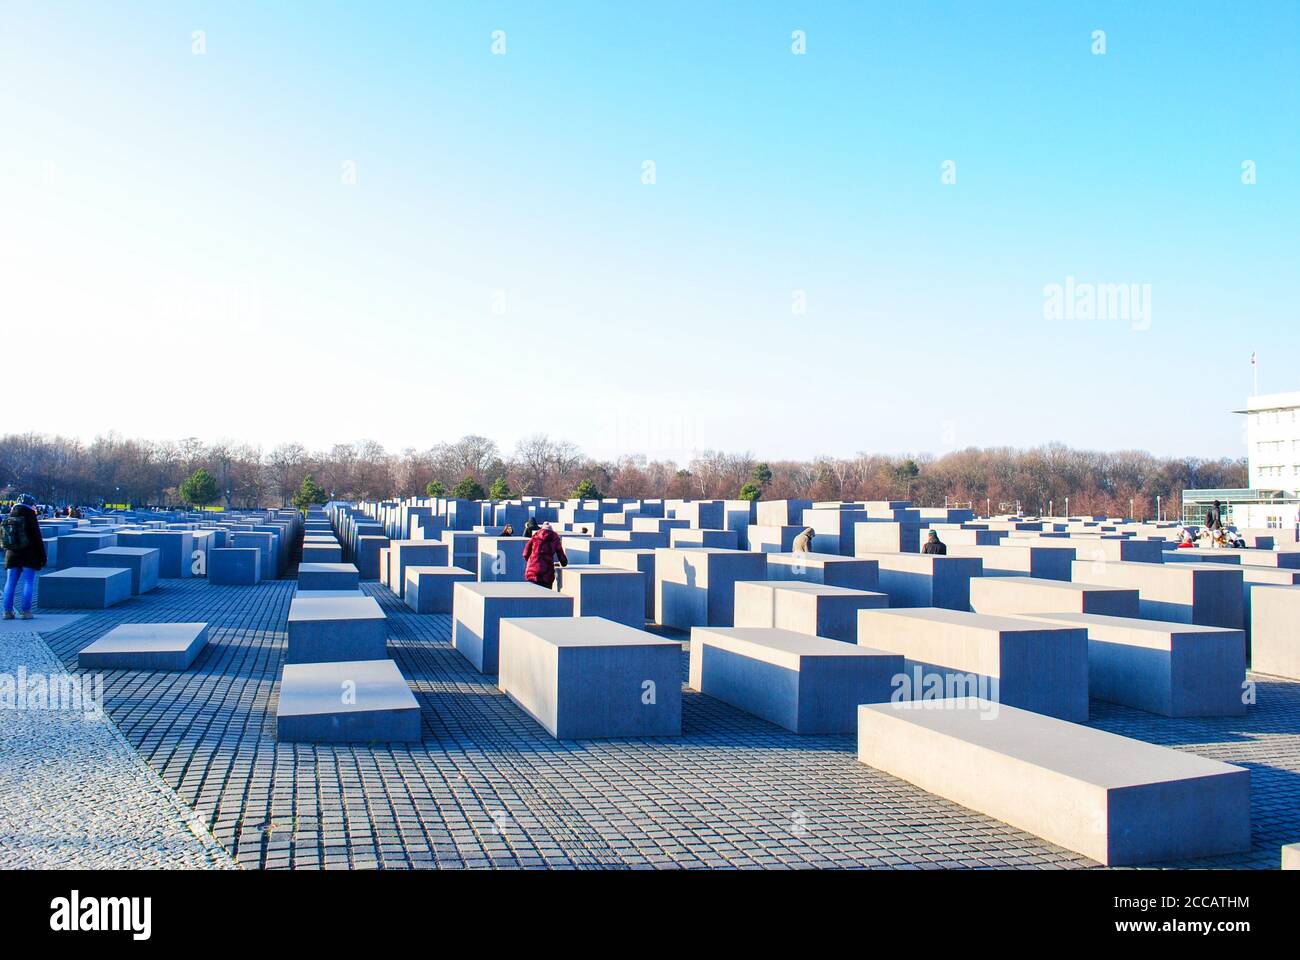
x=542 y=551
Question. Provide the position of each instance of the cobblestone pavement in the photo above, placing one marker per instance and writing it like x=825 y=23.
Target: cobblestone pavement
x=73 y=792
x=487 y=787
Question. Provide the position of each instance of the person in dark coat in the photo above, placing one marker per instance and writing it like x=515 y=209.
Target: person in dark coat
x=934 y=545
x=542 y=551
x=22 y=564
x=1214 y=517
x=530 y=527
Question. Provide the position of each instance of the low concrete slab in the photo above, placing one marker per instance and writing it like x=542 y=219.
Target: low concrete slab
x=346 y=702
x=146 y=646
x=1119 y=801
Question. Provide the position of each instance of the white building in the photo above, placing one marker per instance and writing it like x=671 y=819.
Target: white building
x=1273 y=441
x=1273 y=453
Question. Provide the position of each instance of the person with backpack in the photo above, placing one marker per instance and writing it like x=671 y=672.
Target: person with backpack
x=542 y=551
x=24 y=554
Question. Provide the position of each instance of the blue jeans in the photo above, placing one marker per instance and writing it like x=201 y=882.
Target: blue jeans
x=12 y=576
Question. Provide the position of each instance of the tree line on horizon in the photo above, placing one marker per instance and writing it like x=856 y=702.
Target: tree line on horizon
x=112 y=469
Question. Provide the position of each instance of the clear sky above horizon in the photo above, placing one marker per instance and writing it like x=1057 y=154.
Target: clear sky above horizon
x=336 y=221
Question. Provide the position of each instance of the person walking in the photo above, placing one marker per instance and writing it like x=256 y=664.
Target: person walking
x=934 y=545
x=803 y=542
x=24 y=554
x=542 y=551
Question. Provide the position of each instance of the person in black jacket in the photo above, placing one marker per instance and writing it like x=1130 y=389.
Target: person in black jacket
x=22 y=564
x=934 y=545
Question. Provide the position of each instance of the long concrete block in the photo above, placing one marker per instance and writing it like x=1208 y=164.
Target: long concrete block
x=807 y=684
x=321 y=552
x=1119 y=801
x=810 y=608
x=327 y=629
x=926 y=580
x=1011 y=595
x=831 y=569
x=75 y=548
x=146 y=646
x=1275 y=631
x=696 y=587
x=346 y=702
x=479 y=608
x=327 y=576
x=1040 y=562
x=141 y=561
x=588 y=677
x=1176 y=670
x=1206 y=593
x=1034 y=666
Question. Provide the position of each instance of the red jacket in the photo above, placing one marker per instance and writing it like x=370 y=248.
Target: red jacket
x=541 y=551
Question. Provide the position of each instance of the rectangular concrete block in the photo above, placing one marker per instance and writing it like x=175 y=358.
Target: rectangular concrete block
x=366 y=556
x=1173 y=669
x=807 y=684
x=141 y=561
x=264 y=543
x=1206 y=593
x=642 y=561
x=811 y=608
x=146 y=646
x=1119 y=801
x=696 y=587
x=831 y=569
x=501 y=559
x=327 y=576
x=1275 y=630
x=1034 y=666
x=1012 y=595
x=235 y=566
x=326 y=629
x=413 y=553
x=686 y=538
x=926 y=580
x=83 y=588
x=772 y=539
x=605 y=591
x=588 y=677
x=429 y=589
x=478 y=609
x=313 y=709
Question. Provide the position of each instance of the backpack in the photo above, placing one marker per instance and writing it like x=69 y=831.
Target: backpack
x=13 y=534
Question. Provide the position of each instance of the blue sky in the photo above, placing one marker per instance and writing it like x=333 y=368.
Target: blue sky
x=183 y=233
